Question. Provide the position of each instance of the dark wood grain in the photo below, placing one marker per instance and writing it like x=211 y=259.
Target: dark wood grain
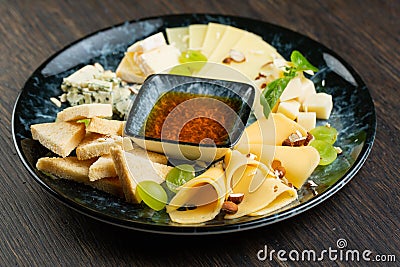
x=37 y=230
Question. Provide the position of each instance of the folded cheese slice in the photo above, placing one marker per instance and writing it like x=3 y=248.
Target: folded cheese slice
x=200 y=199
x=271 y=131
x=263 y=192
x=299 y=162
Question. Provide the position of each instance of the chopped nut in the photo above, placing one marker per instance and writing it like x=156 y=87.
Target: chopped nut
x=281 y=171
x=275 y=163
x=251 y=156
x=267 y=64
x=308 y=138
x=327 y=125
x=260 y=75
x=263 y=86
x=311 y=183
x=338 y=150
x=229 y=207
x=227 y=60
x=237 y=56
x=55 y=101
x=236 y=198
x=295 y=139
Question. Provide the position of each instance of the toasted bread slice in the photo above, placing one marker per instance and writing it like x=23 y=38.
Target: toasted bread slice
x=153 y=156
x=104 y=126
x=85 y=111
x=132 y=169
x=103 y=167
x=111 y=185
x=59 y=137
x=95 y=145
x=77 y=170
x=68 y=168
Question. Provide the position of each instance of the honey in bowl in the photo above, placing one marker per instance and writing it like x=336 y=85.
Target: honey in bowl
x=193 y=118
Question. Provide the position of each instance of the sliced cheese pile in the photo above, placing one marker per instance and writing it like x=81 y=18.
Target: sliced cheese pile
x=238 y=49
x=217 y=42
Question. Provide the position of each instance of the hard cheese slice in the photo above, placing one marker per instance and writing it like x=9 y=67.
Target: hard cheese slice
x=178 y=37
x=231 y=36
x=205 y=195
x=213 y=36
x=197 y=33
x=257 y=52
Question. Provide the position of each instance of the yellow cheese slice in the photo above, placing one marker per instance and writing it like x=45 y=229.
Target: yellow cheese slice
x=231 y=36
x=257 y=53
x=263 y=193
x=197 y=33
x=299 y=162
x=206 y=192
x=271 y=131
x=212 y=37
x=178 y=37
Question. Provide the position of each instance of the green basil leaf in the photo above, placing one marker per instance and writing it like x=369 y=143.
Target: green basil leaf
x=272 y=93
x=300 y=62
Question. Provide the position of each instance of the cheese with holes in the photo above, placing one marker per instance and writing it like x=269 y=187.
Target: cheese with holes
x=320 y=103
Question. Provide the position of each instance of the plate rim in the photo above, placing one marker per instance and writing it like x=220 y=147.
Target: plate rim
x=204 y=229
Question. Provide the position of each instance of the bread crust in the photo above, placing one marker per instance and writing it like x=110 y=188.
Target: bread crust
x=85 y=111
x=59 y=137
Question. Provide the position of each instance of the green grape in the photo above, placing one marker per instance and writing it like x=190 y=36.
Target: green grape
x=181 y=70
x=327 y=152
x=178 y=176
x=325 y=133
x=152 y=194
x=191 y=56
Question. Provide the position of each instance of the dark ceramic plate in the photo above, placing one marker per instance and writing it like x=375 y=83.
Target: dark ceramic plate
x=353 y=115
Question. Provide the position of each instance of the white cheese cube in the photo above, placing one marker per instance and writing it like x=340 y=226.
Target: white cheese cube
x=320 y=103
x=307 y=120
x=308 y=88
x=293 y=90
x=150 y=43
x=289 y=108
x=159 y=59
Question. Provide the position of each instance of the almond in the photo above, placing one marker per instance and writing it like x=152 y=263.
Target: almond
x=229 y=207
x=236 y=198
x=237 y=56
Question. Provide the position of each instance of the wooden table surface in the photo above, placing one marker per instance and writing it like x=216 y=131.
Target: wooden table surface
x=37 y=230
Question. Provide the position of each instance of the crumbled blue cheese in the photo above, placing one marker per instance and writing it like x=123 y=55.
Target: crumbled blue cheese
x=92 y=84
